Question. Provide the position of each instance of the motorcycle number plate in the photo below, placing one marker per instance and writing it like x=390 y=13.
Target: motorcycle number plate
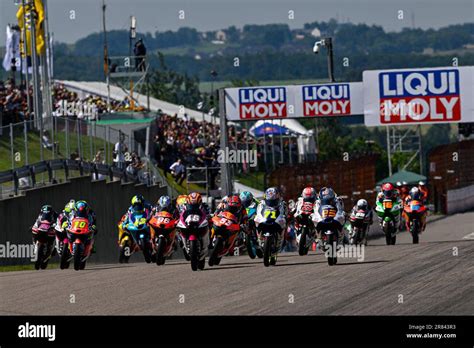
x=192 y=218
x=328 y=213
x=387 y=205
x=415 y=207
x=360 y=215
x=163 y=220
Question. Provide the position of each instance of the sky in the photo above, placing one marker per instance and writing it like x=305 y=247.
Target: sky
x=161 y=15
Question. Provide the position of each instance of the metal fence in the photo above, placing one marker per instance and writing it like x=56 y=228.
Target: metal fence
x=65 y=141
x=67 y=138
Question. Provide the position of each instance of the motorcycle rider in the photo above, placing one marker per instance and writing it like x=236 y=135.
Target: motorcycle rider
x=416 y=194
x=83 y=210
x=327 y=196
x=248 y=200
x=47 y=213
x=424 y=191
x=181 y=203
x=388 y=192
x=164 y=203
x=194 y=206
x=139 y=206
x=273 y=199
x=363 y=205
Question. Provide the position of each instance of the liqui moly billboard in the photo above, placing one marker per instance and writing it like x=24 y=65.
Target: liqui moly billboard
x=318 y=100
x=418 y=96
x=335 y=99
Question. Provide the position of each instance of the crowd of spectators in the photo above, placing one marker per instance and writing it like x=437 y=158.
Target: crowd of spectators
x=14 y=106
x=181 y=143
x=13 y=102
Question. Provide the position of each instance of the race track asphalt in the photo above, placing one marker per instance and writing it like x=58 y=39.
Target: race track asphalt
x=435 y=277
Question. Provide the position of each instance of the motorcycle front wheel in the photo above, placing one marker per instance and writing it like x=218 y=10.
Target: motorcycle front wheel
x=64 y=263
x=160 y=249
x=77 y=256
x=267 y=250
x=194 y=255
x=40 y=251
x=302 y=247
x=213 y=256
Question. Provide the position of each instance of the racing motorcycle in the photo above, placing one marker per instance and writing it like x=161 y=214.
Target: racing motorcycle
x=270 y=226
x=79 y=244
x=224 y=232
x=414 y=211
x=305 y=235
x=163 y=233
x=329 y=233
x=136 y=236
x=254 y=248
x=194 y=234
x=390 y=215
x=359 y=227
x=61 y=234
x=43 y=237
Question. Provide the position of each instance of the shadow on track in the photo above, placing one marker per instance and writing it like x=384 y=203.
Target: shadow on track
x=224 y=268
x=299 y=263
x=360 y=263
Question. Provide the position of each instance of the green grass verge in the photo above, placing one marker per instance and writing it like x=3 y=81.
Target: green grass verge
x=181 y=189
x=29 y=267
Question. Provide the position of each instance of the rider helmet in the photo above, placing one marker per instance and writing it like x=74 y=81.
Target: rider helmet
x=82 y=209
x=362 y=204
x=415 y=193
x=70 y=206
x=234 y=204
x=327 y=196
x=138 y=204
x=272 y=197
x=194 y=200
x=388 y=190
x=164 y=202
x=309 y=194
x=247 y=198
x=46 y=212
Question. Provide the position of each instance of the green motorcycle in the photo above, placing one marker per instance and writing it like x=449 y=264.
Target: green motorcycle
x=389 y=212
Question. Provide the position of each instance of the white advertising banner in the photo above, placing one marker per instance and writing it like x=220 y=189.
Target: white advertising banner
x=296 y=101
x=418 y=96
